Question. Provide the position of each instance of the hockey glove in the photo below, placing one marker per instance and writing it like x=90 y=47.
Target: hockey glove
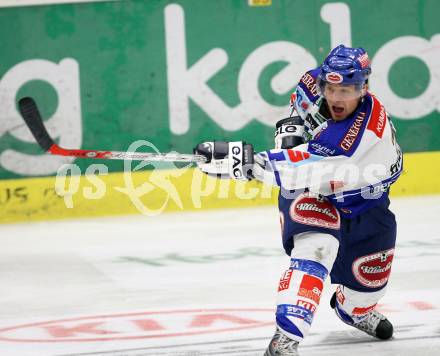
x=226 y=159
x=289 y=132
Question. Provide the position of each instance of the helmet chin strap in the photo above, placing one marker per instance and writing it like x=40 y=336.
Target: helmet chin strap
x=364 y=89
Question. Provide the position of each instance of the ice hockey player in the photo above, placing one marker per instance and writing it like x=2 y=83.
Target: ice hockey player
x=334 y=160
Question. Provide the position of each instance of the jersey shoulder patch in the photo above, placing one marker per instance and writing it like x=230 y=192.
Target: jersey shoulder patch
x=306 y=93
x=308 y=84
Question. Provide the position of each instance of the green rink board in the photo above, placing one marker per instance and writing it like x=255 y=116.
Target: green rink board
x=176 y=73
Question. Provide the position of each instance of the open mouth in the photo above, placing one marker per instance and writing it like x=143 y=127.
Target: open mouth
x=338 y=110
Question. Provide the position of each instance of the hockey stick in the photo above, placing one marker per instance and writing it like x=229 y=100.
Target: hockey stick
x=31 y=115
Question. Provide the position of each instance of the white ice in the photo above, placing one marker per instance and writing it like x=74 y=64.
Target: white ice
x=200 y=283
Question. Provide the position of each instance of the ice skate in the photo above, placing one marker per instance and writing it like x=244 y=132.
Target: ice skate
x=282 y=345
x=375 y=324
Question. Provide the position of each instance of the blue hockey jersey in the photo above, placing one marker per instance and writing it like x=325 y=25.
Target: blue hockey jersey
x=352 y=162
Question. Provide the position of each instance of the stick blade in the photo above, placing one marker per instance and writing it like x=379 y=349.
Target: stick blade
x=31 y=115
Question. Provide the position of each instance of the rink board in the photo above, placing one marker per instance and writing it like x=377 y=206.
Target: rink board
x=153 y=192
x=112 y=73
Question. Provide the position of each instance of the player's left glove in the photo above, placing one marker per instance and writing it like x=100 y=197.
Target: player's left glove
x=226 y=159
x=289 y=132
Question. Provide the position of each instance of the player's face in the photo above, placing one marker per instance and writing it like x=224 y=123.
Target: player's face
x=342 y=99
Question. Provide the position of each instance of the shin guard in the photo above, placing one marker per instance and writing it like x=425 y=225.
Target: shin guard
x=299 y=293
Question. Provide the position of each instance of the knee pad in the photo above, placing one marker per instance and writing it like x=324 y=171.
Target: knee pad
x=353 y=306
x=316 y=246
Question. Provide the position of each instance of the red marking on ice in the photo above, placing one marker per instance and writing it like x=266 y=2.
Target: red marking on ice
x=202 y=321
x=421 y=305
x=86 y=328
x=402 y=307
x=148 y=325
x=125 y=327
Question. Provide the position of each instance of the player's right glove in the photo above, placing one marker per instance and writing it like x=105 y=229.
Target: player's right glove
x=226 y=159
x=289 y=132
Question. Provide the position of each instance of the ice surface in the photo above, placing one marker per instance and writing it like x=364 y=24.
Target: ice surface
x=194 y=284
